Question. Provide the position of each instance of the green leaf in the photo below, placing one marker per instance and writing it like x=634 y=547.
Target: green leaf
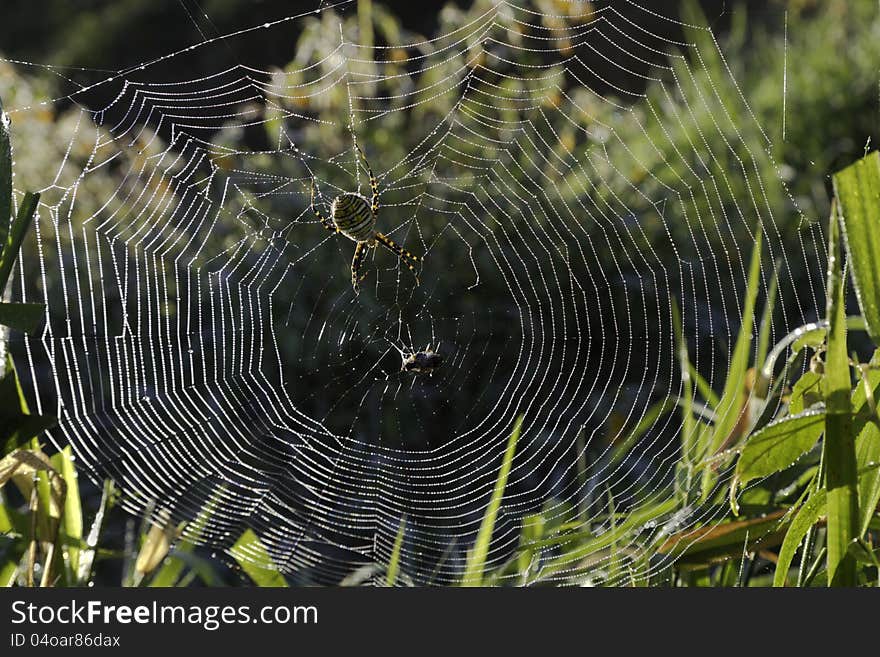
x=34 y=470
x=649 y=419
x=863 y=553
x=868 y=453
x=702 y=545
x=197 y=566
x=778 y=445
x=18 y=431
x=533 y=529
x=731 y=404
x=807 y=516
x=858 y=194
x=8 y=571
x=688 y=424
x=17 y=426
x=812 y=339
x=250 y=553
x=704 y=388
x=816 y=337
x=16 y=236
x=805 y=392
x=6 y=523
x=585 y=543
x=87 y=555
x=24 y=317
x=693 y=434
x=841 y=474
x=394 y=562
x=12 y=545
x=867 y=446
x=476 y=560
x=172 y=567
x=767 y=318
x=5 y=176
x=155 y=546
x=171 y=572
x=72 y=526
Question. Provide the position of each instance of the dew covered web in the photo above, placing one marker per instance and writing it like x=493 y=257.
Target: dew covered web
x=565 y=169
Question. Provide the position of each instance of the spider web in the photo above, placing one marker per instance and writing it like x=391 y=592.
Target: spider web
x=204 y=347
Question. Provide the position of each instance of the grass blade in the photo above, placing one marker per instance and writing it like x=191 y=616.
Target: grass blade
x=806 y=517
x=184 y=537
x=704 y=388
x=857 y=189
x=8 y=573
x=155 y=547
x=646 y=422
x=250 y=553
x=867 y=453
x=72 y=522
x=87 y=556
x=587 y=544
x=688 y=425
x=705 y=544
x=16 y=235
x=867 y=444
x=476 y=561
x=5 y=176
x=172 y=568
x=17 y=425
x=394 y=562
x=42 y=484
x=762 y=381
x=731 y=405
x=841 y=474
x=767 y=317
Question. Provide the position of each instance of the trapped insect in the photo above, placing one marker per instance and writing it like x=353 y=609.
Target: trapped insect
x=422 y=362
x=355 y=216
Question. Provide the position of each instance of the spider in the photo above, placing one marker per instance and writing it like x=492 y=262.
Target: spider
x=422 y=362
x=355 y=216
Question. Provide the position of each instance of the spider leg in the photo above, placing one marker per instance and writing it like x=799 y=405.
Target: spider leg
x=405 y=256
x=326 y=223
x=359 y=252
x=374 y=184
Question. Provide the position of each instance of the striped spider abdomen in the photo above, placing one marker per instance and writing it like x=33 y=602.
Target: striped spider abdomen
x=353 y=216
